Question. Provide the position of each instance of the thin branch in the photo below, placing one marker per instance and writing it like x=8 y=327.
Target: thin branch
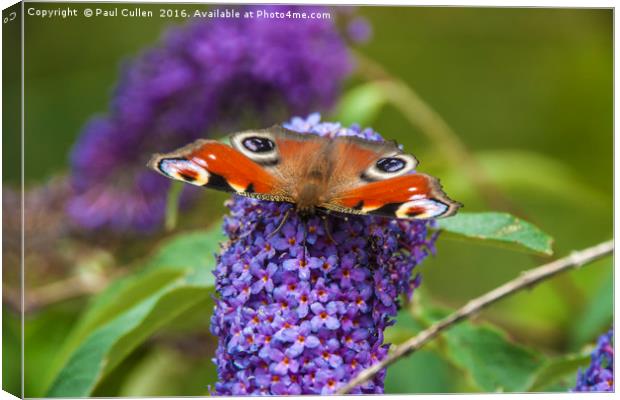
x=55 y=292
x=525 y=280
x=421 y=114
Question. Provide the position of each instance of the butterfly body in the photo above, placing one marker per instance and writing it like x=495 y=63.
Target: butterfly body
x=342 y=173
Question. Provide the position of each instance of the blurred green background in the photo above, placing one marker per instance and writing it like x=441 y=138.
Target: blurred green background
x=528 y=91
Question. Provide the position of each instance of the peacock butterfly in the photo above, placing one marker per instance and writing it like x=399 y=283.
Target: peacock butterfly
x=342 y=173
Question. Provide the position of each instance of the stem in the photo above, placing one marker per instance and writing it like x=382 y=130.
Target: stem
x=525 y=280
x=421 y=114
x=55 y=292
x=172 y=205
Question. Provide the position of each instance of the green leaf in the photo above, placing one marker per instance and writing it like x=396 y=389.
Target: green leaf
x=360 y=105
x=559 y=372
x=489 y=360
x=493 y=362
x=432 y=373
x=404 y=328
x=422 y=372
x=194 y=250
x=102 y=350
x=121 y=297
x=177 y=277
x=499 y=228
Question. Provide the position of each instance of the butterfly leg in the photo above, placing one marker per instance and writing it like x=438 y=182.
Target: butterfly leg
x=281 y=224
x=259 y=220
x=328 y=230
x=250 y=231
x=304 y=221
x=329 y=213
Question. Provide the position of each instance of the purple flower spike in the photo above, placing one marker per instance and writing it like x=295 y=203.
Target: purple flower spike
x=205 y=76
x=323 y=321
x=599 y=377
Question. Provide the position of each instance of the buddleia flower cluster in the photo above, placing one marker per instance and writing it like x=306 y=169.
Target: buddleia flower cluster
x=204 y=76
x=599 y=377
x=303 y=309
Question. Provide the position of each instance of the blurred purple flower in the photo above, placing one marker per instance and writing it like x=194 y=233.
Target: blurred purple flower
x=323 y=322
x=204 y=76
x=359 y=30
x=599 y=377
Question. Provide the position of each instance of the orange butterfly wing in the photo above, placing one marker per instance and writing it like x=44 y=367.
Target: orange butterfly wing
x=417 y=196
x=215 y=165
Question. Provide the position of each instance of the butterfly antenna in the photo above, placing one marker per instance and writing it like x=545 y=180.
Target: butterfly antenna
x=281 y=224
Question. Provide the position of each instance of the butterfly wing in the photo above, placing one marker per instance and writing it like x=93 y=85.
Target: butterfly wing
x=212 y=164
x=412 y=196
x=379 y=179
x=261 y=163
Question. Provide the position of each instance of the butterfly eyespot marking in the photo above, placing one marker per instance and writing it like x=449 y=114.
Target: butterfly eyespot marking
x=390 y=167
x=184 y=170
x=421 y=209
x=258 y=146
x=391 y=164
